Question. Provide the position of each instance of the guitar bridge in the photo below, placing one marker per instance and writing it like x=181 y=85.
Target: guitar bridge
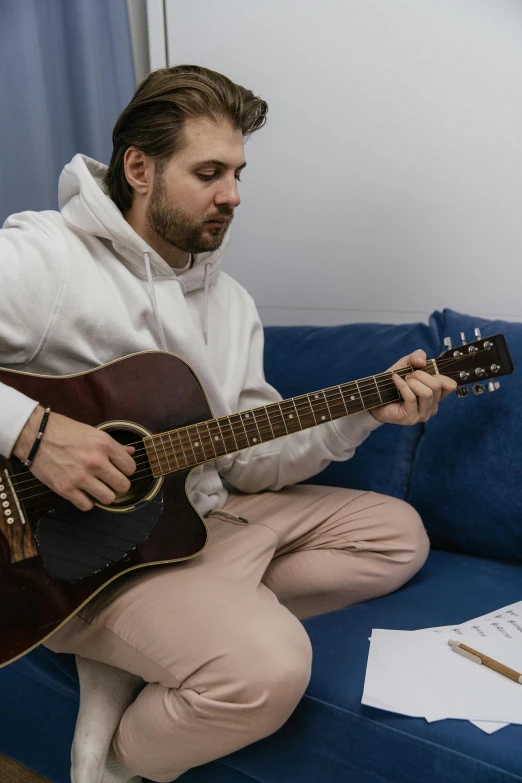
x=14 y=525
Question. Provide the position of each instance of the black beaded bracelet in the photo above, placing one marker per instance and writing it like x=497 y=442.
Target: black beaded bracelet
x=38 y=439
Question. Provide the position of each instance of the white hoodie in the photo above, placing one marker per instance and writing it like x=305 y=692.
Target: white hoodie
x=79 y=288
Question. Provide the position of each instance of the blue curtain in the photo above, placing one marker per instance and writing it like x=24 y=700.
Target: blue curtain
x=66 y=72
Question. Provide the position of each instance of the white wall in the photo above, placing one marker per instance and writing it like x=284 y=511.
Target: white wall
x=388 y=180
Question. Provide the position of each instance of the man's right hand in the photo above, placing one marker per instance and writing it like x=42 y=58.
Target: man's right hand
x=78 y=462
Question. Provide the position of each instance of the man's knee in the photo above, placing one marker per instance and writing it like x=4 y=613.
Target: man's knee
x=243 y=695
x=270 y=681
x=409 y=544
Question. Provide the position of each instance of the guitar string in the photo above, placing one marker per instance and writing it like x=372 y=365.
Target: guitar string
x=243 y=428
x=146 y=472
x=174 y=453
x=188 y=462
x=241 y=413
x=23 y=494
x=240 y=427
x=383 y=385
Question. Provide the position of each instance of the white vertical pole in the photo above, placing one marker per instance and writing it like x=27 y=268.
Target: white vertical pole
x=157 y=34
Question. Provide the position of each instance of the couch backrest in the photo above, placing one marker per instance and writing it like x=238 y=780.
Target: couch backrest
x=467 y=474
x=301 y=359
x=462 y=470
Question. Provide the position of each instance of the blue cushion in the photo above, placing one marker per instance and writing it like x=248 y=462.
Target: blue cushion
x=302 y=359
x=332 y=737
x=467 y=472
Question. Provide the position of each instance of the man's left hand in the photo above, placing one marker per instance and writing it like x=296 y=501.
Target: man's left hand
x=420 y=392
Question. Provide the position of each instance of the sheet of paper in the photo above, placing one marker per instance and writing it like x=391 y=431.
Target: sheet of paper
x=417 y=674
x=507 y=622
x=488 y=726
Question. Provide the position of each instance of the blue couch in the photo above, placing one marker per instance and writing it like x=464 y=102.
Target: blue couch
x=462 y=472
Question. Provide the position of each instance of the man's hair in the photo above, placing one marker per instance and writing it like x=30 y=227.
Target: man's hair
x=154 y=120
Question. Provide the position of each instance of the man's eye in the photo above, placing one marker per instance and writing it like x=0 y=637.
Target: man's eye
x=208 y=177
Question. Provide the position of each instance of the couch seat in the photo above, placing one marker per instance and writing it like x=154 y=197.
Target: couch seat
x=330 y=736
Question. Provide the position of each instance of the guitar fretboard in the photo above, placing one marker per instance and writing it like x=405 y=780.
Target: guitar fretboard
x=205 y=441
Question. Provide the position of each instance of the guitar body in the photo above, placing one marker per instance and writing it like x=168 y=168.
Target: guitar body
x=47 y=572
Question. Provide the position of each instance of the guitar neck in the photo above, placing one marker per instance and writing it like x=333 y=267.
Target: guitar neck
x=196 y=444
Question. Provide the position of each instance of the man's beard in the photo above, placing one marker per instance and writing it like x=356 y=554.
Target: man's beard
x=173 y=226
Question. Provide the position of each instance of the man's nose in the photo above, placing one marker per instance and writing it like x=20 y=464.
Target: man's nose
x=229 y=195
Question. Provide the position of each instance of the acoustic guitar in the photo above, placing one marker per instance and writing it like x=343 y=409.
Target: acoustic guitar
x=55 y=558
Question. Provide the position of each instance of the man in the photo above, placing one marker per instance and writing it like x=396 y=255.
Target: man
x=214 y=645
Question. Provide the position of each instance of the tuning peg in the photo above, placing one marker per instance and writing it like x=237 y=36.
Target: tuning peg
x=448 y=342
x=478 y=388
x=493 y=385
x=477 y=334
x=462 y=391
x=463 y=338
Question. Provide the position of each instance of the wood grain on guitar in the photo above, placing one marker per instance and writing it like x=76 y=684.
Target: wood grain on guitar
x=54 y=558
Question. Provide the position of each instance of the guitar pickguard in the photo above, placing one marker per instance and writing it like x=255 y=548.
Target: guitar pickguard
x=74 y=544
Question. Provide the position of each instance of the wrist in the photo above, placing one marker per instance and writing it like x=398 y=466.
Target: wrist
x=27 y=436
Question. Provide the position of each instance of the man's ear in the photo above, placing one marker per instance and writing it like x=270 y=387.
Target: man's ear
x=139 y=170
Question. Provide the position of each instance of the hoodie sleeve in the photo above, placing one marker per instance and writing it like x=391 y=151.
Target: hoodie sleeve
x=29 y=287
x=292 y=458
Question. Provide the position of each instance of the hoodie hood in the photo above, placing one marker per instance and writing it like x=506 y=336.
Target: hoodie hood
x=86 y=207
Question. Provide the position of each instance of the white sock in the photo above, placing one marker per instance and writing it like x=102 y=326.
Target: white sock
x=114 y=772
x=105 y=694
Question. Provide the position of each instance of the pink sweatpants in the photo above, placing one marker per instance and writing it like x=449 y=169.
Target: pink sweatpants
x=218 y=638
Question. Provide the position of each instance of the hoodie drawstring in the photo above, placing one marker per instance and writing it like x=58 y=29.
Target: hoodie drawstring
x=154 y=302
x=152 y=294
x=205 y=307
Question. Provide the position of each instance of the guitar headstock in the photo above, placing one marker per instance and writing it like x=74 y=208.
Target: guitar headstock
x=480 y=362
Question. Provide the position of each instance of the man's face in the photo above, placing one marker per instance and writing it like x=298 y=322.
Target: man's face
x=193 y=189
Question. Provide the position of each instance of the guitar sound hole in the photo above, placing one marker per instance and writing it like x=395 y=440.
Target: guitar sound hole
x=142 y=482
